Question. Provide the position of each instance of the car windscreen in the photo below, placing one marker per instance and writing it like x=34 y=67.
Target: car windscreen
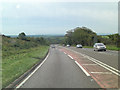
x=100 y=44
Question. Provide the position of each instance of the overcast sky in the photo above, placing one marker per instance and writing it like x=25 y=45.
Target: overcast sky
x=57 y=17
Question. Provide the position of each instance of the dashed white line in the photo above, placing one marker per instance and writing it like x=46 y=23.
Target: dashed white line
x=70 y=56
x=82 y=69
x=32 y=73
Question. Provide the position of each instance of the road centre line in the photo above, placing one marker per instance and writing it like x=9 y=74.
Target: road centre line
x=70 y=56
x=90 y=58
x=82 y=69
x=99 y=63
x=32 y=72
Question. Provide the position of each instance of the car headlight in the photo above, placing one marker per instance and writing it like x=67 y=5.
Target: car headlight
x=98 y=47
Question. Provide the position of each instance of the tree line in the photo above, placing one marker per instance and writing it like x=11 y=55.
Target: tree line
x=86 y=37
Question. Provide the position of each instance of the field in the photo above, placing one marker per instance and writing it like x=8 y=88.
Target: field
x=16 y=65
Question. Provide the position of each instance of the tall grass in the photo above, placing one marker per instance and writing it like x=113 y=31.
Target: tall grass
x=15 y=65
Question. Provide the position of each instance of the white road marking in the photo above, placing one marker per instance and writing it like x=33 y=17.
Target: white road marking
x=32 y=72
x=64 y=53
x=70 y=56
x=113 y=70
x=89 y=64
x=101 y=72
x=82 y=69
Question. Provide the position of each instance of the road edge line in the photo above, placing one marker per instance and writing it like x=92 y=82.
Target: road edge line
x=32 y=72
x=70 y=56
x=87 y=74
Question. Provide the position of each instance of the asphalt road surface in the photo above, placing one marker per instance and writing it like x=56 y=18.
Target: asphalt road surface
x=108 y=57
x=59 y=71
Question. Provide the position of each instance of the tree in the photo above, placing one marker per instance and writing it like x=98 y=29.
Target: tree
x=22 y=36
x=80 y=35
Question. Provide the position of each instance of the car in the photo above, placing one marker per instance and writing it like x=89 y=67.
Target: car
x=99 y=47
x=52 y=46
x=78 y=46
x=63 y=45
x=68 y=45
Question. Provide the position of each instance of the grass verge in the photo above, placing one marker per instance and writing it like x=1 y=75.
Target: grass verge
x=112 y=47
x=109 y=47
x=87 y=47
x=15 y=65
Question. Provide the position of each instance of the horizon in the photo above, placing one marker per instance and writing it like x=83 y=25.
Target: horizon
x=56 y=34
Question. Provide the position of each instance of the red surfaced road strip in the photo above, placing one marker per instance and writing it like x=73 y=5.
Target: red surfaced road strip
x=103 y=77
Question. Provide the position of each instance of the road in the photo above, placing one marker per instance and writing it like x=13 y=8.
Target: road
x=108 y=57
x=60 y=70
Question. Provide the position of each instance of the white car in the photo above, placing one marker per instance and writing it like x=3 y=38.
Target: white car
x=78 y=46
x=99 y=47
x=68 y=45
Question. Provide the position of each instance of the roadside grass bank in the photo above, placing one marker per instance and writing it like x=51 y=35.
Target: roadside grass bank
x=109 y=47
x=112 y=47
x=15 y=65
x=87 y=47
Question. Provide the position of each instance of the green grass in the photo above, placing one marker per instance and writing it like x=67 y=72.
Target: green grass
x=15 y=65
x=105 y=37
x=87 y=47
x=112 y=47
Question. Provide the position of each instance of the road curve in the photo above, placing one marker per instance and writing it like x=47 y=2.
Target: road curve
x=59 y=71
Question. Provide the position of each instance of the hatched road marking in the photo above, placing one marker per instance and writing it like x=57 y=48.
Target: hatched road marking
x=101 y=72
x=82 y=69
x=111 y=69
x=89 y=64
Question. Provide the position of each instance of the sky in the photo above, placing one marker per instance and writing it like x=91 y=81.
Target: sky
x=41 y=18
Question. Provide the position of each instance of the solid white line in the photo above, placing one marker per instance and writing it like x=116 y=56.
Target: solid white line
x=32 y=73
x=70 y=56
x=82 y=69
x=107 y=68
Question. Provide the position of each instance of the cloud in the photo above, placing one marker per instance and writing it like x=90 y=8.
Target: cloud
x=52 y=10
x=95 y=15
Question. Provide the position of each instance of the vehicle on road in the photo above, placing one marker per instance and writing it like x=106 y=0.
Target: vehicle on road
x=68 y=45
x=63 y=45
x=52 y=46
x=78 y=46
x=99 y=47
